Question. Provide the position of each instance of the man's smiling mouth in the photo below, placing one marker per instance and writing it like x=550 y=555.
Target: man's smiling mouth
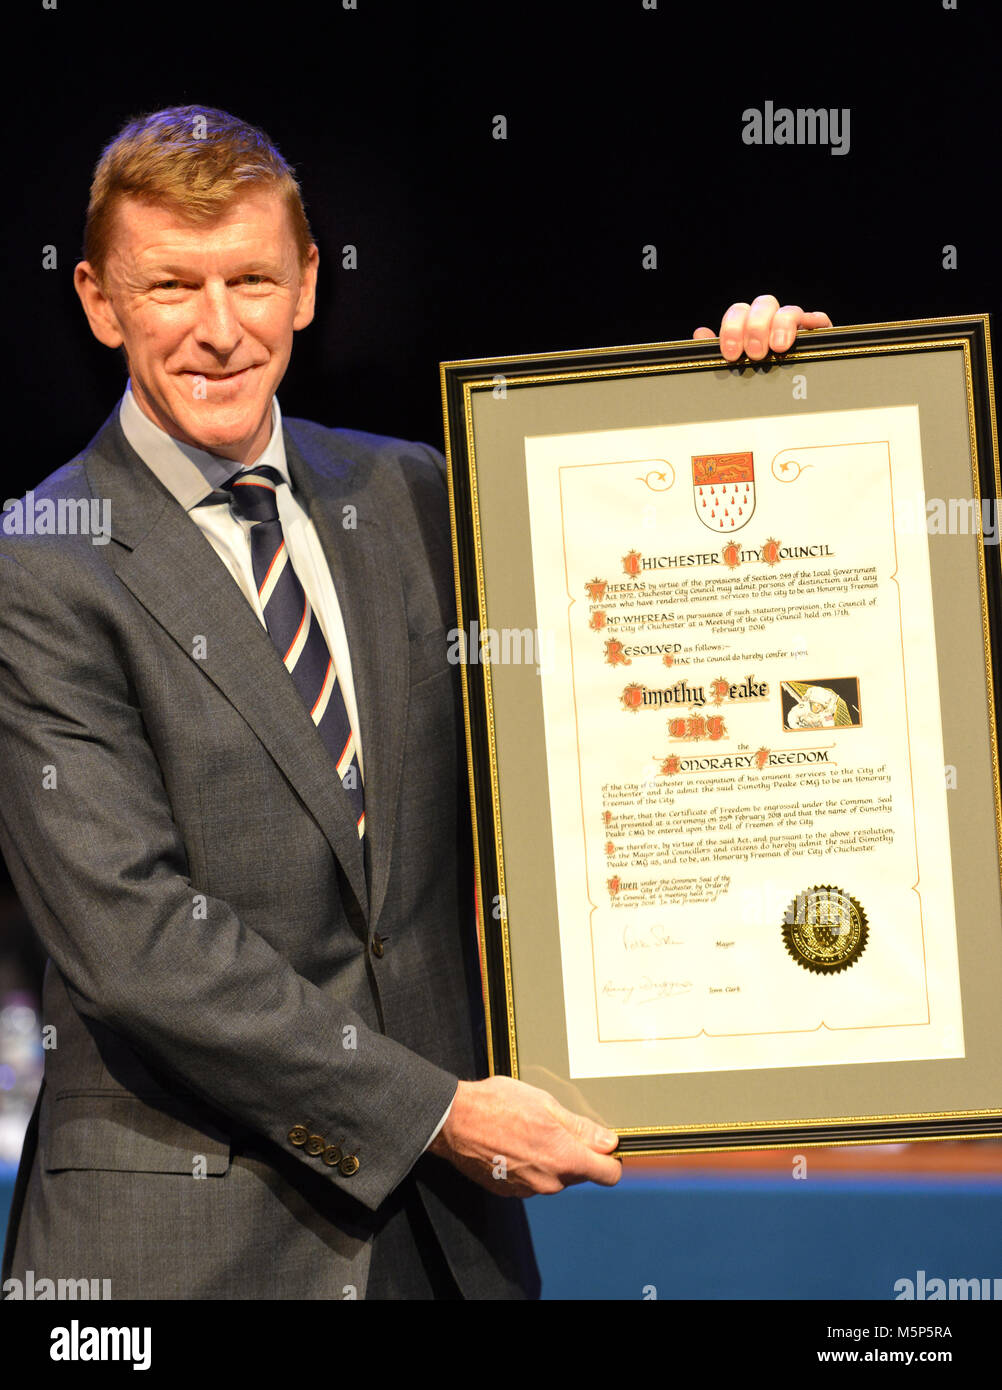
x=221 y=376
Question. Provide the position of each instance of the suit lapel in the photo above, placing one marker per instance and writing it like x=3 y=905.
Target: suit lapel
x=359 y=550
x=175 y=574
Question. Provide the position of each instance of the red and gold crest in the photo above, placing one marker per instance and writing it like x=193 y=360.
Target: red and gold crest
x=597 y=620
x=613 y=885
x=633 y=697
x=670 y=766
x=770 y=552
x=614 y=653
x=723 y=488
x=595 y=589
x=631 y=563
x=762 y=757
x=731 y=555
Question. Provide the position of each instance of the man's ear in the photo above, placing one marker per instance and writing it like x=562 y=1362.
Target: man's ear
x=96 y=305
x=306 y=303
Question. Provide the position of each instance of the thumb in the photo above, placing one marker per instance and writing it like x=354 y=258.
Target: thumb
x=595 y=1136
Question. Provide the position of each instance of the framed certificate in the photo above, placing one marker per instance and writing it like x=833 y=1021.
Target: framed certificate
x=727 y=636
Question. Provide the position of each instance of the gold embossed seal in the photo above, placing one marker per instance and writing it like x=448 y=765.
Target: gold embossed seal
x=825 y=929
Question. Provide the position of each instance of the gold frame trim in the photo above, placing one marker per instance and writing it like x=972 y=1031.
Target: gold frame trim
x=663 y=1152
x=801 y=352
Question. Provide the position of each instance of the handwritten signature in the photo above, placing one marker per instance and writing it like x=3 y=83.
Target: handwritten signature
x=644 y=939
x=646 y=990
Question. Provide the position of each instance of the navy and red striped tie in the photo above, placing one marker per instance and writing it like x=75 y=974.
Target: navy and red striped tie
x=293 y=626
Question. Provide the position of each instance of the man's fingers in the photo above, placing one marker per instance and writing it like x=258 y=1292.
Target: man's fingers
x=601 y=1168
x=732 y=331
x=784 y=327
x=595 y=1136
x=757 y=325
x=762 y=327
x=612 y=1171
x=791 y=318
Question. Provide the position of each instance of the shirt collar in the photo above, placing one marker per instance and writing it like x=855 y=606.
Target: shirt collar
x=188 y=473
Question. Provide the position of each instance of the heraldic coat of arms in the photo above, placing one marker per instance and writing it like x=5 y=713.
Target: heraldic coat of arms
x=723 y=490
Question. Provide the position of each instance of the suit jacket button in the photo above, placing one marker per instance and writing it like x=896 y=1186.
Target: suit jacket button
x=348 y=1165
x=298 y=1135
x=315 y=1145
x=377 y=946
x=332 y=1155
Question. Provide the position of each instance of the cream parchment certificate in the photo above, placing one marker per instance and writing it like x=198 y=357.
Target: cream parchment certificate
x=744 y=744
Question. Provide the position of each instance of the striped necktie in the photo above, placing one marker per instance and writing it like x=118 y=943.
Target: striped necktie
x=293 y=626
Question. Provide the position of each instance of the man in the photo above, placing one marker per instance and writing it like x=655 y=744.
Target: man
x=233 y=799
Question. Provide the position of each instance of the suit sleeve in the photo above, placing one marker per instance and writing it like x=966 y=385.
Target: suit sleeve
x=99 y=863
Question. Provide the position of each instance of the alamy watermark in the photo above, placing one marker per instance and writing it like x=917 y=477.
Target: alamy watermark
x=34 y=1288
x=925 y=1288
x=948 y=516
x=781 y=125
x=507 y=646
x=64 y=516
x=76 y=1343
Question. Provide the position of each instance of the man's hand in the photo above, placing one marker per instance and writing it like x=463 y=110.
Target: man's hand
x=762 y=327
x=516 y=1140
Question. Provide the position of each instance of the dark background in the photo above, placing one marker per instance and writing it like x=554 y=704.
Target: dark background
x=624 y=128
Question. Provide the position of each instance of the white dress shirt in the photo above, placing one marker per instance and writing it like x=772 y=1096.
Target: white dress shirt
x=190 y=474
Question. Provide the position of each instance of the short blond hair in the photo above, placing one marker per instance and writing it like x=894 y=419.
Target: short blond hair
x=192 y=158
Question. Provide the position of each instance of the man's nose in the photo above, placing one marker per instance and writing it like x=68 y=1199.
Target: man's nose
x=217 y=326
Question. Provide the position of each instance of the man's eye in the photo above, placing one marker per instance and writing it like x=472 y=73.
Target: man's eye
x=167 y=285
x=253 y=279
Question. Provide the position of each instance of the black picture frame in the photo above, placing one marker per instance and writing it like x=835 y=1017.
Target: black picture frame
x=862 y=351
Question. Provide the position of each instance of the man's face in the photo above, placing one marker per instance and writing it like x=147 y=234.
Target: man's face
x=205 y=313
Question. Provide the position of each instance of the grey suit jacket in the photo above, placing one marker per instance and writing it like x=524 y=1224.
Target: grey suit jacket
x=230 y=973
